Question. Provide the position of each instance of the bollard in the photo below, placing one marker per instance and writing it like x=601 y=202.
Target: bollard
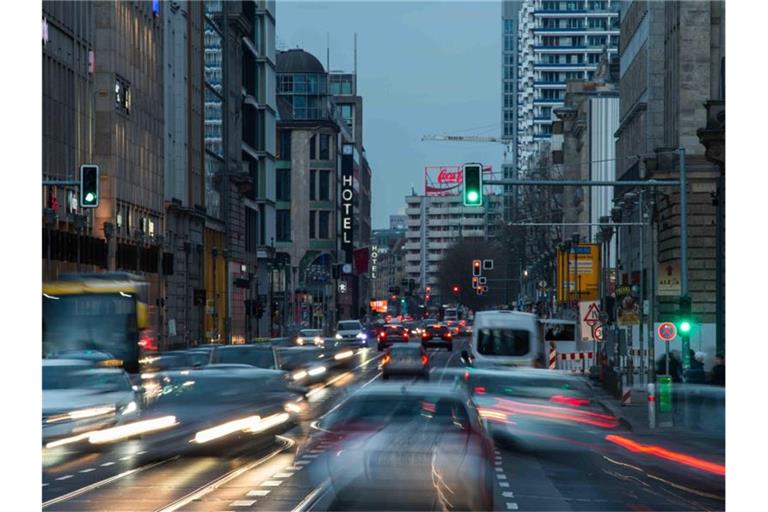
x=651 y=405
x=552 y=358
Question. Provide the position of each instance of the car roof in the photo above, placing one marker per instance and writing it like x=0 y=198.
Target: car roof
x=433 y=390
x=258 y=346
x=503 y=314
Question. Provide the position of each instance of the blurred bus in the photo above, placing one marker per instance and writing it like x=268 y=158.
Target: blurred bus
x=101 y=312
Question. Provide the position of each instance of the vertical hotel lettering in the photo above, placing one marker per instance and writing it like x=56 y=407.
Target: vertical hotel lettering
x=347 y=195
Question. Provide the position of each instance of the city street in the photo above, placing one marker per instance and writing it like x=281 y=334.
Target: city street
x=268 y=474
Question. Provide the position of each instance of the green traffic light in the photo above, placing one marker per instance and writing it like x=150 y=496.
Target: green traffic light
x=89 y=197
x=472 y=196
x=685 y=326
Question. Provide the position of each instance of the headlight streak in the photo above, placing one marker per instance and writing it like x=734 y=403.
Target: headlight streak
x=292 y=407
x=316 y=371
x=68 y=440
x=225 y=429
x=270 y=422
x=131 y=429
x=557 y=413
x=82 y=414
x=131 y=407
x=343 y=355
x=299 y=375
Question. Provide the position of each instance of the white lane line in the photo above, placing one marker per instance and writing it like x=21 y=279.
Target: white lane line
x=310 y=456
x=501 y=477
x=316 y=451
x=511 y=506
x=142 y=452
x=258 y=493
x=87 y=470
x=504 y=484
x=508 y=494
x=302 y=462
x=45 y=484
x=293 y=468
x=242 y=503
x=126 y=457
x=282 y=475
x=499 y=470
x=271 y=483
x=65 y=477
x=107 y=464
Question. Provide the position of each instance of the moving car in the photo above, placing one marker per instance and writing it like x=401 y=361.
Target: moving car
x=407 y=360
x=437 y=334
x=507 y=338
x=410 y=448
x=392 y=334
x=351 y=330
x=79 y=397
x=310 y=337
x=307 y=365
x=260 y=356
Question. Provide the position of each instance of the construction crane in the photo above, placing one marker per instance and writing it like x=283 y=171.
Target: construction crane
x=469 y=138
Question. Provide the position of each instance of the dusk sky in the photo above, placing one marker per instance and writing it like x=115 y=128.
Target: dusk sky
x=423 y=68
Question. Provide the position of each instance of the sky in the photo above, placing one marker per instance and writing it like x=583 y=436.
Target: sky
x=423 y=68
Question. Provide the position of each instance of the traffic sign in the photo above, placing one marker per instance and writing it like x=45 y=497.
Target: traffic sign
x=589 y=313
x=667 y=331
x=597 y=332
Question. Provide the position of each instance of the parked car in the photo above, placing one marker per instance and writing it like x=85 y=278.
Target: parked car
x=405 y=360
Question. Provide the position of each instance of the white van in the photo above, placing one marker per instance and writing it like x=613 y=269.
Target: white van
x=506 y=338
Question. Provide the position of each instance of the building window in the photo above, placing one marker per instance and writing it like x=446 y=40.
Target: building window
x=325 y=186
x=324 y=224
x=312 y=148
x=122 y=95
x=312 y=230
x=283 y=226
x=284 y=145
x=283 y=184
x=312 y=184
x=325 y=147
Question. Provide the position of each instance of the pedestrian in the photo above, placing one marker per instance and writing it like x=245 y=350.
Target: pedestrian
x=695 y=374
x=675 y=367
x=718 y=371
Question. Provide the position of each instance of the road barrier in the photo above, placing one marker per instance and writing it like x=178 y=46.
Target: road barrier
x=575 y=362
x=552 y=359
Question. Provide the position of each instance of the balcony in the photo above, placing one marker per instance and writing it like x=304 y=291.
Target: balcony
x=413 y=211
x=413 y=223
x=413 y=269
x=550 y=85
x=548 y=101
x=557 y=49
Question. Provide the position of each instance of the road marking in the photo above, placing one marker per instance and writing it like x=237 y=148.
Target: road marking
x=282 y=475
x=142 y=452
x=314 y=496
x=64 y=477
x=504 y=484
x=310 y=456
x=511 y=506
x=271 y=483
x=499 y=470
x=316 y=451
x=501 y=477
x=109 y=480
x=126 y=457
x=107 y=464
x=242 y=503
x=212 y=486
x=302 y=462
x=293 y=468
x=508 y=494
x=258 y=492
x=87 y=470
x=45 y=484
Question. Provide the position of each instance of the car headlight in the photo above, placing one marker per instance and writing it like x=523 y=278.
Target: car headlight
x=361 y=336
x=319 y=340
x=299 y=375
x=299 y=341
x=339 y=336
x=128 y=409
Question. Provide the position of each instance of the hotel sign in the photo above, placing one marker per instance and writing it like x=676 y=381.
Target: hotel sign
x=347 y=195
x=374 y=260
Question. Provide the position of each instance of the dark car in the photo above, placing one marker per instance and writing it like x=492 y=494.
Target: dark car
x=392 y=334
x=260 y=356
x=408 y=360
x=437 y=335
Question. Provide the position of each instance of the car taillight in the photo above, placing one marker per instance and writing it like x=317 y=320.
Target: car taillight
x=424 y=360
x=479 y=390
x=382 y=335
x=568 y=400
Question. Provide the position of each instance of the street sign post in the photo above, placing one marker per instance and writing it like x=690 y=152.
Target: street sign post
x=667 y=331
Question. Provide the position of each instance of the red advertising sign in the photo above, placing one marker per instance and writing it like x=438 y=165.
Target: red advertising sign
x=360 y=258
x=443 y=180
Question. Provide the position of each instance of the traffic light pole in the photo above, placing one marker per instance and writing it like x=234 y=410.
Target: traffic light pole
x=685 y=337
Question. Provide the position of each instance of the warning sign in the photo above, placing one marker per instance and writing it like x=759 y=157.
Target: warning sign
x=589 y=313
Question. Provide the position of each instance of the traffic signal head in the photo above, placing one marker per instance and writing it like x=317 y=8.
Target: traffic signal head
x=685 y=326
x=89 y=186
x=474 y=282
x=476 y=264
x=473 y=185
x=455 y=289
x=685 y=320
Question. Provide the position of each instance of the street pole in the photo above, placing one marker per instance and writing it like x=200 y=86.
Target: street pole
x=643 y=277
x=684 y=251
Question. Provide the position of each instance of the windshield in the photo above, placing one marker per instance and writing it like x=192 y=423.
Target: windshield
x=82 y=377
x=503 y=342
x=349 y=326
x=102 y=322
x=423 y=409
x=260 y=357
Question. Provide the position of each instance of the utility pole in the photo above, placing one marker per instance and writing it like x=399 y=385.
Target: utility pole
x=684 y=253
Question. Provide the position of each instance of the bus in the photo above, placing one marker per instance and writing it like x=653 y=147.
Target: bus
x=100 y=313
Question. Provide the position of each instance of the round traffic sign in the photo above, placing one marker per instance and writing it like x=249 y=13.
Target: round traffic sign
x=597 y=332
x=667 y=331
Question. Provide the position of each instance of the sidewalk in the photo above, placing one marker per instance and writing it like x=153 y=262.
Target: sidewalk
x=635 y=415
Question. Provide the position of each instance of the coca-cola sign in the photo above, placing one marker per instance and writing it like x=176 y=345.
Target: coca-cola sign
x=443 y=180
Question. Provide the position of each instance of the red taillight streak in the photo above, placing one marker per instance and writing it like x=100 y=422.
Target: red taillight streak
x=663 y=453
x=424 y=360
x=567 y=400
x=479 y=390
x=428 y=406
x=554 y=413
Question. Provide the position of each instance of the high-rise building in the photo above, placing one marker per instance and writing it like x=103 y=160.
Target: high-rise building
x=183 y=163
x=509 y=67
x=559 y=40
x=397 y=222
x=434 y=223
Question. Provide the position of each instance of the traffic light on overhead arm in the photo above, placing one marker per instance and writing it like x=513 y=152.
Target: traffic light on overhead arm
x=473 y=185
x=89 y=186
